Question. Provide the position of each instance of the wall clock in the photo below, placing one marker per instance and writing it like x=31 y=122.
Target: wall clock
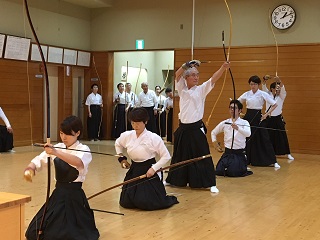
x=283 y=17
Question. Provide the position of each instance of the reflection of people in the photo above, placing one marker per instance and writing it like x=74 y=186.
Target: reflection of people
x=142 y=147
x=6 y=134
x=119 y=116
x=190 y=140
x=147 y=99
x=168 y=105
x=68 y=214
x=131 y=102
x=233 y=161
x=259 y=149
x=161 y=114
x=94 y=103
x=278 y=139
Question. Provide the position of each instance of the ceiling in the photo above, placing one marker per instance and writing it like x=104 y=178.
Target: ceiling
x=91 y=3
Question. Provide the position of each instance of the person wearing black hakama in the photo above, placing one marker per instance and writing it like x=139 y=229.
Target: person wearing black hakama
x=161 y=113
x=142 y=147
x=119 y=117
x=147 y=99
x=190 y=139
x=6 y=134
x=68 y=214
x=259 y=150
x=168 y=105
x=279 y=139
x=94 y=103
x=233 y=162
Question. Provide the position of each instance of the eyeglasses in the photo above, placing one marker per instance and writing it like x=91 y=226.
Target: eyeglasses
x=193 y=75
x=253 y=84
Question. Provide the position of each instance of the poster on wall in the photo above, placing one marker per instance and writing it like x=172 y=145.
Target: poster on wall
x=35 y=53
x=55 y=55
x=83 y=59
x=17 y=48
x=69 y=56
x=2 y=38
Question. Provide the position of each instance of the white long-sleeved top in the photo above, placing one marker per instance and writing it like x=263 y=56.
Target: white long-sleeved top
x=168 y=103
x=94 y=99
x=85 y=157
x=256 y=100
x=240 y=135
x=192 y=100
x=4 y=118
x=122 y=96
x=148 y=99
x=278 y=98
x=132 y=99
x=148 y=145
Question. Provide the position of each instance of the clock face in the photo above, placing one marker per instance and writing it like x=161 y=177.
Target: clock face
x=283 y=16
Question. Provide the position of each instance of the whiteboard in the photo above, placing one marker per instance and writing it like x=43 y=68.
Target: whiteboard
x=35 y=54
x=2 y=38
x=55 y=55
x=17 y=48
x=83 y=59
x=70 y=57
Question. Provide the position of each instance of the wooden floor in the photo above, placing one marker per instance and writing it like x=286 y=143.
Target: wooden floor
x=269 y=204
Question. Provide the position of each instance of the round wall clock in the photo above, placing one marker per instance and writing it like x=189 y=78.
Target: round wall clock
x=283 y=16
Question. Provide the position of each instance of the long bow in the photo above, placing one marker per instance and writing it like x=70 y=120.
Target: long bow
x=48 y=115
x=145 y=175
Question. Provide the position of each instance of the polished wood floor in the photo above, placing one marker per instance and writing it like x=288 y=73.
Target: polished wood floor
x=269 y=204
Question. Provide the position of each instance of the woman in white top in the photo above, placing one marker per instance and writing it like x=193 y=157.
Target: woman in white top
x=233 y=162
x=120 y=100
x=259 y=149
x=142 y=148
x=6 y=134
x=94 y=103
x=161 y=115
x=68 y=214
x=279 y=139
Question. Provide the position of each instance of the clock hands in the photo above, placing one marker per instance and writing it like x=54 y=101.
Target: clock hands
x=286 y=15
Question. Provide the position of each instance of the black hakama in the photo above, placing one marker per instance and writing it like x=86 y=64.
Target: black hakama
x=6 y=139
x=278 y=139
x=259 y=149
x=190 y=142
x=68 y=215
x=161 y=123
x=169 y=125
x=94 y=122
x=146 y=194
x=129 y=126
x=233 y=163
x=119 y=122
x=151 y=124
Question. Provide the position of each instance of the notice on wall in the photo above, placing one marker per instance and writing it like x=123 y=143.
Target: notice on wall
x=83 y=59
x=55 y=55
x=17 y=48
x=70 y=57
x=35 y=53
x=2 y=38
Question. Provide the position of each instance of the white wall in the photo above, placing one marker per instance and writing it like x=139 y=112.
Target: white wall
x=158 y=23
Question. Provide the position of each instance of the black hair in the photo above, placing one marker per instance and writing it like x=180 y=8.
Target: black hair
x=119 y=84
x=94 y=85
x=237 y=102
x=139 y=114
x=156 y=87
x=168 y=90
x=71 y=125
x=254 y=79
x=273 y=85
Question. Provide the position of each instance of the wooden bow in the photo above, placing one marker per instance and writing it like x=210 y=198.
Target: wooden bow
x=145 y=175
x=48 y=115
